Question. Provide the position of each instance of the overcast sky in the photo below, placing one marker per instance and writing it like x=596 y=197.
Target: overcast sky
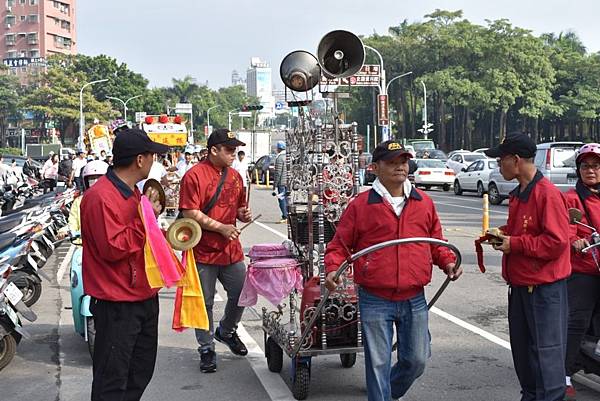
x=207 y=39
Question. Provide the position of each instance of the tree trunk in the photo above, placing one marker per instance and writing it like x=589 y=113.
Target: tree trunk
x=503 y=115
x=413 y=126
x=491 y=136
x=442 y=123
x=402 y=127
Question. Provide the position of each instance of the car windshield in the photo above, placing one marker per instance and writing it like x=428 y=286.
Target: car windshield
x=430 y=164
x=492 y=164
x=472 y=158
x=564 y=157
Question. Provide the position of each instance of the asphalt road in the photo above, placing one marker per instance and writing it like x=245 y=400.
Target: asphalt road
x=470 y=360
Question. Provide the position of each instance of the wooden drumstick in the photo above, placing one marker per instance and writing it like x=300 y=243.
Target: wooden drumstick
x=250 y=222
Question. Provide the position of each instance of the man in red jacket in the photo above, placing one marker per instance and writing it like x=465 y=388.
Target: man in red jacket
x=124 y=306
x=584 y=283
x=391 y=280
x=535 y=264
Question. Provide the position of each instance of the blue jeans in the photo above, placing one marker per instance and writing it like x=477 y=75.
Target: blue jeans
x=282 y=202
x=361 y=175
x=410 y=319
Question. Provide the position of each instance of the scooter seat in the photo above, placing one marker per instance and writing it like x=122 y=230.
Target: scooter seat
x=7 y=240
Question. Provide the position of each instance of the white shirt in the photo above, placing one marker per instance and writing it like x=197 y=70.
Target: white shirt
x=242 y=168
x=157 y=171
x=78 y=165
x=183 y=167
x=397 y=202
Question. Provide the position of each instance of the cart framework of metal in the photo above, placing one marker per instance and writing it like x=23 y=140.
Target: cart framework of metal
x=322 y=177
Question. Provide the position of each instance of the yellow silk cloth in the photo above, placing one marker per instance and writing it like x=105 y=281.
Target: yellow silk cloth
x=190 y=309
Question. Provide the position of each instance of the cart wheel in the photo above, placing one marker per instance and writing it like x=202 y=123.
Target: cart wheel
x=348 y=360
x=274 y=356
x=301 y=381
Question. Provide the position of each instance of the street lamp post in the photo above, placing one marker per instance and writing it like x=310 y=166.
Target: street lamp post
x=81 y=117
x=229 y=117
x=386 y=91
x=208 y=119
x=425 y=130
x=124 y=104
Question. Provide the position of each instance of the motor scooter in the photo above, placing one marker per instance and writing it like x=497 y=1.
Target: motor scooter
x=11 y=305
x=589 y=353
x=83 y=320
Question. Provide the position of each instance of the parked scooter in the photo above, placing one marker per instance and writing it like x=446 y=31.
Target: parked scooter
x=11 y=305
x=83 y=320
x=589 y=354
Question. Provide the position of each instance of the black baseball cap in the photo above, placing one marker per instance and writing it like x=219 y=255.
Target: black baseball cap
x=514 y=143
x=225 y=137
x=131 y=142
x=389 y=150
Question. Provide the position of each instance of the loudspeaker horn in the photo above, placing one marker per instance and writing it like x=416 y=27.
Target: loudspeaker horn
x=300 y=71
x=340 y=54
x=184 y=234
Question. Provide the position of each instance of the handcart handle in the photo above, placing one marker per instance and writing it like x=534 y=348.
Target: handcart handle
x=363 y=252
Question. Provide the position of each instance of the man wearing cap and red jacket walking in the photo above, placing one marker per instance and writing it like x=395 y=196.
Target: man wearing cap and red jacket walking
x=391 y=281
x=535 y=264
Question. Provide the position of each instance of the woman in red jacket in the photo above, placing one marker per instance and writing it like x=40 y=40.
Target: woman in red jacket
x=584 y=283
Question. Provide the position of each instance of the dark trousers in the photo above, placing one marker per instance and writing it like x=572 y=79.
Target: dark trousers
x=584 y=298
x=125 y=348
x=537 y=321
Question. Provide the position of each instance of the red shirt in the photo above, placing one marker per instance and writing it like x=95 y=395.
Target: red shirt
x=113 y=242
x=197 y=187
x=538 y=226
x=584 y=262
x=396 y=272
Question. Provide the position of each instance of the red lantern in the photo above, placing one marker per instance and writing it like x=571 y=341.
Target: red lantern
x=149 y=120
x=177 y=120
x=163 y=119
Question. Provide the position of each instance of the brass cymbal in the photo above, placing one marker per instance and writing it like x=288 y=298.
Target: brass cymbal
x=152 y=183
x=184 y=234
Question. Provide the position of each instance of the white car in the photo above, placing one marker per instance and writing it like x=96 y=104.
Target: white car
x=433 y=173
x=476 y=177
x=458 y=161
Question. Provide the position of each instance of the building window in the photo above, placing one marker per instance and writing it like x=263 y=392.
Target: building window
x=32 y=18
x=10 y=40
x=33 y=2
x=10 y=3
x=10 y=21
x=22 y=18
x=22 y=2
x=66 y=25
x=32 y=38
x=34 y=53
x=11 y=54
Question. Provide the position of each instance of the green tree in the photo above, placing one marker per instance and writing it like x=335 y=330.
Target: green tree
x=9 y=98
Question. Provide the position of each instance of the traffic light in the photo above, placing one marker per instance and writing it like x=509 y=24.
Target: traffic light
x=250 y=107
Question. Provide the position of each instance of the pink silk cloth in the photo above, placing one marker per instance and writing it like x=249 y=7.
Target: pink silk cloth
x=274 y=279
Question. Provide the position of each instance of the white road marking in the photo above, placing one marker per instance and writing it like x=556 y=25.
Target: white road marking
x=65 y=263
x=258 y=223
x=474 y=329
x=272 y=382
x=480 y=209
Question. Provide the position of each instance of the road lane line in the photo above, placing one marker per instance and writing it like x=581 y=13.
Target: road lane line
x=480 y=209
x=258 y=223
x=474 y=329
x=65 y=263
x=272 y=382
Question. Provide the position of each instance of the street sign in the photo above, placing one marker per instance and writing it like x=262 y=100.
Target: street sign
x=369 y=75
x=382 y=110
x=385 y=132
x=140 y=116
x=183 y=108
x=245 y=114
x=279 y=105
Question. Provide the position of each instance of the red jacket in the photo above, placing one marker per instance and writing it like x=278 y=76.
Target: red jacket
x=397 y=272
x=113 y=242
x=197 y=187
x=538 y=226
x=583 y=262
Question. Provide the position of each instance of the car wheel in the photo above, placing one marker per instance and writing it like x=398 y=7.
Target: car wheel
x=480 y=190
x=457 y=188
x=494 y=194
x=446 y=187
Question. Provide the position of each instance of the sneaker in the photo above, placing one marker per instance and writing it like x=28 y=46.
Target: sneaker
x=570 y=394
x=233 y=342
x=208 y=361
x=282 y=221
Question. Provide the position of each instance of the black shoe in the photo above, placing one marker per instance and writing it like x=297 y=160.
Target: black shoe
x=233 y=342
x=208 y=361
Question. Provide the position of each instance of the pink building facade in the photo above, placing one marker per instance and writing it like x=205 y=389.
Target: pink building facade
x=34 y=30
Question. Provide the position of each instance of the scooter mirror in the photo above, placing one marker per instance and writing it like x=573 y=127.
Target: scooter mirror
x=574 y=215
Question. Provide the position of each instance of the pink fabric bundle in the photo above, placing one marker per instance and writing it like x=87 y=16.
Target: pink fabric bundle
x=274 y=279
x=266 y=251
